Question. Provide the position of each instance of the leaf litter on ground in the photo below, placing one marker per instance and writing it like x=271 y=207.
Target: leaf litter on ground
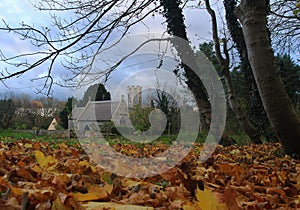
x=37 y=175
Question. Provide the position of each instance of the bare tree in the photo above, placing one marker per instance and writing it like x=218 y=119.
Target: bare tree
x=255 y=110
x=22 y=100
x=224 y=62
x=284 y=24
x=37 y=108
x=75 y=40
x=283 y=116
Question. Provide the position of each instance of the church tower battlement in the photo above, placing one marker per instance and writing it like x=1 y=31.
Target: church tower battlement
x=134 y=95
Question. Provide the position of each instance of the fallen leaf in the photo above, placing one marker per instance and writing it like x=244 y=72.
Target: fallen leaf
x=36 y=169
x=46 y=163
x=58 y=205
x=130 y=184
x=277 y=191
x=44 y=205
x=22 y=172
x=230 y=196
x=95 y=193
x=208 y=201
x=27 y=146
x=177 y=193
x=190 y=206
x=297 y=201
x=115 y=206
x=36 y=146
x=21 y=191
x=11 y=204
x=298 y=182
x=88 y=165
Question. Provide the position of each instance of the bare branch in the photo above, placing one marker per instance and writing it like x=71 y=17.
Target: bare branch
x=76 y=39
x=285 y=26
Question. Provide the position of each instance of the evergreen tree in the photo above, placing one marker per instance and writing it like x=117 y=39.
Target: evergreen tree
x=96 y=92
x=64 y=114
x=7 y=110
x=290 y=73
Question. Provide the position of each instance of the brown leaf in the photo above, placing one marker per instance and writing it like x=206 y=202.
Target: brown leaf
x=177 y=193
x=44 y=205
x=58 y=205
x=58 y=183
x=275 y=190
x=230 y=197
x=36 y=145
x=170 y=176
x=22 y=172
x=188 y=183
x=11 y=204
x=115 y=206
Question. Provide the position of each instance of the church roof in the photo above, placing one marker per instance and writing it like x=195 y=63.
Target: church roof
x=97 y=111
x=76 y=112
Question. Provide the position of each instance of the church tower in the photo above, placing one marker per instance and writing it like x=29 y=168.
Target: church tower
x=134 y=95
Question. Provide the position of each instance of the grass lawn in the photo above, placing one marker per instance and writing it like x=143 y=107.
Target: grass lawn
x=10 y=135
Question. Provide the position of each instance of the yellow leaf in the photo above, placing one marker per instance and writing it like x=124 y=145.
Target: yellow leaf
x=27 y=146
x=63 y=146
x=128 y=183
x=235 y=152
x=83 y=163
x=93 y=169
x=36 y=169
x=298 y=182
x=297 y=201
x=248 y=156
x=95 y=193
x=189 y=206
x=87 y=164
x=208 y=201
x=46 y=163
x=115 y=206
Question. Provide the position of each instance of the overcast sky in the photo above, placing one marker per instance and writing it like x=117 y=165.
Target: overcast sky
x=16 y=11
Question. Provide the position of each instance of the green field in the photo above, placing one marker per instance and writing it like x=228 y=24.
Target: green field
x=10 y=135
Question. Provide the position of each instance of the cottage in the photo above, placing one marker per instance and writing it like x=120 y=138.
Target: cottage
x=53 y=124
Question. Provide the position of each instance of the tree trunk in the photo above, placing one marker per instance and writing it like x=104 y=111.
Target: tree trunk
x=239 y=112
x=255 y=109
x=281 y=113
x=208 y=108
x=176 y=27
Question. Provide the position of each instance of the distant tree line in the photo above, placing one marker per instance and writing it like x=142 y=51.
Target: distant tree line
x=25 y=112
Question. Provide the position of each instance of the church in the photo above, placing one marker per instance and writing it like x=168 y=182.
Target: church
x=96 y=113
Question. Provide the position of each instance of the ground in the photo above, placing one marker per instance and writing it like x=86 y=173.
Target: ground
x=57 y=174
